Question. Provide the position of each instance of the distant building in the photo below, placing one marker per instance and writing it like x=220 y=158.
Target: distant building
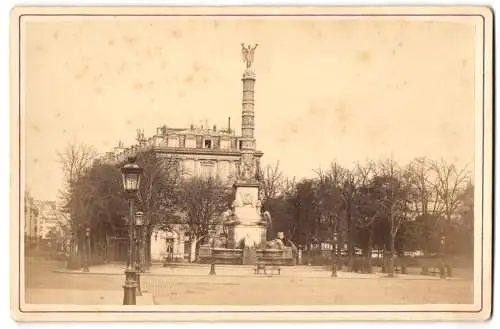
x=49 y=218
x=30 y=218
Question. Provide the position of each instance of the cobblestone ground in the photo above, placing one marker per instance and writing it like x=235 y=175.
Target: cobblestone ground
x=248 y=290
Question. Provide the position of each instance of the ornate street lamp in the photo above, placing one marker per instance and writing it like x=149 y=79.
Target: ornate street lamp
x=131 y=174
x=140 y=223
x=146 y=254
x=442 y=242
x=70 y=262
x=86 y=259
x=334 y=254
x=212 y=263
x=138 y=257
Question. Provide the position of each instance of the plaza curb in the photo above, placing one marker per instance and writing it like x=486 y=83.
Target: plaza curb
x=326 y=276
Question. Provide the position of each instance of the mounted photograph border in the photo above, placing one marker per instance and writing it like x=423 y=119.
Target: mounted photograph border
x=481 y=309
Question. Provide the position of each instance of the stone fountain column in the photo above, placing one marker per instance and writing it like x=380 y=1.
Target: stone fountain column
x=246 y=206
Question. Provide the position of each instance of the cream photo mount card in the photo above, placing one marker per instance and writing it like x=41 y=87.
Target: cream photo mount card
x=251 y=163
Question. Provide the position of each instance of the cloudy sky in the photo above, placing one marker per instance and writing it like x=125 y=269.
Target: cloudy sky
x=326 y=88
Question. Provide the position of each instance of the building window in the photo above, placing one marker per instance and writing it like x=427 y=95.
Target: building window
x=207 y=170
x=173 y=141
x=190 y=143
x=199 y=142
x=208 y=144
x=225 y=145
x=189 y=167
x=241 y=145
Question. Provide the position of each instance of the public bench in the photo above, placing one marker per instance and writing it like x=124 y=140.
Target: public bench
x=275 y=270
x=261 y=268
x=442 y=271
x=434 y=271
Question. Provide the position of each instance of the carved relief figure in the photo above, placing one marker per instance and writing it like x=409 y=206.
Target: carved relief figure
x=246 y=199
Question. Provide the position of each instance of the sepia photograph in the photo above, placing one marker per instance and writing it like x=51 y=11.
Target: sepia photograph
x=251 y=163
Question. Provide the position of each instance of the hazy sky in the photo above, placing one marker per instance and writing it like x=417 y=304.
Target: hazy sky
x=326 y=88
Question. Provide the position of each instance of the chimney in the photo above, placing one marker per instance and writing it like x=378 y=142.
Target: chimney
x=229 y=124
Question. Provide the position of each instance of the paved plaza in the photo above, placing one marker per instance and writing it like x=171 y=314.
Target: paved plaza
x=49 y=283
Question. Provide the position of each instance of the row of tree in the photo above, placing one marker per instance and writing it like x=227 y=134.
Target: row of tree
x=379 y=205
x=425 y=205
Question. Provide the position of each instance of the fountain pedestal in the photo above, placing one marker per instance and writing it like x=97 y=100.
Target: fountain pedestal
x=249 y=229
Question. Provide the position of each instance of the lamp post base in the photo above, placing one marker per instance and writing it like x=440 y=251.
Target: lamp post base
x=138 y=279
x=334 y=270
x=442 y=272
x=129 y=288
x=86 y=265
x=212 y=269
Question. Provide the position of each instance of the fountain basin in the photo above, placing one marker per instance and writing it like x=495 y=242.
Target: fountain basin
x=221 y=255
x=282 y=257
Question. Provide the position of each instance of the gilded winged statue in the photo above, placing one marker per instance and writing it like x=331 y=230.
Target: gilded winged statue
x=248 y=54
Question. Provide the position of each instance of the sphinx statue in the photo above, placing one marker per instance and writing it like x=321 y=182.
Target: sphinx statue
x=275 y=244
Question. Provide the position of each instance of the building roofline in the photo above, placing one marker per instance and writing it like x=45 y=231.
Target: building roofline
x=198 y=151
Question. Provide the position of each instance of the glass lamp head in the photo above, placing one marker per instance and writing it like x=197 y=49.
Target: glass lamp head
x=139 y=219
x=131 y=175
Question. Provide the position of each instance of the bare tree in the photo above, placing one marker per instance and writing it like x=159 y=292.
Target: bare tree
x=157 y=194
x=75 y=158
x=282 y=210
x=427 y=208
x=335 y=196
x=420 y=172
x=366 y=207
x=273 y=182
x=465 y=232
x=394 y=200
x=159 y=184
x=331 y=201
x=449 y=185
x=364 y=173
x=289 y=186
x=203 y=200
